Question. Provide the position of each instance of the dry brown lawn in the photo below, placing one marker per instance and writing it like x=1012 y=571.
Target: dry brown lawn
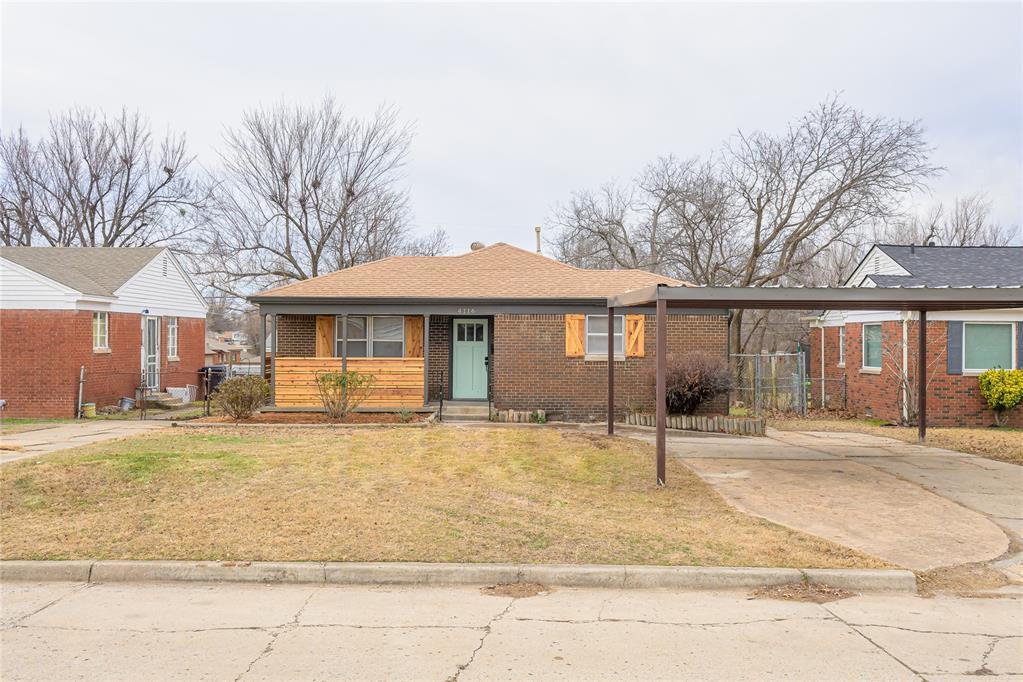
x=1003 y=444
x=436 y=494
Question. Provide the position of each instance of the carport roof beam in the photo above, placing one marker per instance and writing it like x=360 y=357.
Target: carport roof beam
x=822 y=298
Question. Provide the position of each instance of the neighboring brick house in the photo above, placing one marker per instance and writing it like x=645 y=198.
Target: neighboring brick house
x=863 y=356
x=113 y=311
x=500 y=323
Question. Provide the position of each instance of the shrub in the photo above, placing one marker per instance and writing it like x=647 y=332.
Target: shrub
x=240 y=397
x=405 y=415
x=1003 y=390
x=694 y=378
x=342 y=392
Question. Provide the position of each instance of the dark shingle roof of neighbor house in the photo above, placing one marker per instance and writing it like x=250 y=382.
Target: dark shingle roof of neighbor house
x=99 y=271
x=954 y=266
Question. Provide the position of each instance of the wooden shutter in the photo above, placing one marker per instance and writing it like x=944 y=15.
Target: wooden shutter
x=324 y=336
x=954 y=347
x=575 y=336
x=413 y=336
x=634 y=335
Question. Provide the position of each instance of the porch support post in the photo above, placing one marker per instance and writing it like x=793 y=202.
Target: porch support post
x=426 y=360
x=344 y=343
x=262 y=345
x=662 y=369
x=611 y=370
x=921 y=376
x=273 y=360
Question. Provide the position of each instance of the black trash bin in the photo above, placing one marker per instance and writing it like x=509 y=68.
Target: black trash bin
x=217 y=373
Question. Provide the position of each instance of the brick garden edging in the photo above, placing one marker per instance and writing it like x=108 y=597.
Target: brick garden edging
x=741 y=426
x=413 y=573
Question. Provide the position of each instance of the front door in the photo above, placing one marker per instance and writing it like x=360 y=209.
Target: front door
x=151 y=351
x=469 y=359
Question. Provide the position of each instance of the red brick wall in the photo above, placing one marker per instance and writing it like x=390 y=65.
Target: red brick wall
x=296 y=336
x=531 y=371
x=438 y=373
x=952 y=400
x=41 y=352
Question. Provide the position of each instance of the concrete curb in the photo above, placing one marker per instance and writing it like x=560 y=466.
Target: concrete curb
x=339 y=573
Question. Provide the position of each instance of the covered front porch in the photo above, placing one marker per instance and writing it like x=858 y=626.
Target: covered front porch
x=417 y=360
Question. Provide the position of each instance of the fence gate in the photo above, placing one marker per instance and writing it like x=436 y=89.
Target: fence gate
x=774 y=382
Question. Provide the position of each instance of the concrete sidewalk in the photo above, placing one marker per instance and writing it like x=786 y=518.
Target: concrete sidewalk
x=64 y=436
x=253 y=632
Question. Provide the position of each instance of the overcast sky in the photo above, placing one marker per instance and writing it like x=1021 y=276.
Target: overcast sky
x=516 y=106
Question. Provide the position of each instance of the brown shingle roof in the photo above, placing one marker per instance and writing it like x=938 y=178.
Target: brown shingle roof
x=499 y=271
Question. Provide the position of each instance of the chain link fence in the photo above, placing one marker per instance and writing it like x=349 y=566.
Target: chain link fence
x=770 y=382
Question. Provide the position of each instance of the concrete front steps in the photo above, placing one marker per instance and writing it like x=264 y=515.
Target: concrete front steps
x=465 y=411
x=164 y=400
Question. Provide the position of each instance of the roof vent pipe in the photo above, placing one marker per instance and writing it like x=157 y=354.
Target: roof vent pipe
x=537 y=238
x=475 y=246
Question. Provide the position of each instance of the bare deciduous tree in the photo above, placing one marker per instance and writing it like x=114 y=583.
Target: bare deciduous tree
x=966 y=223
x=762 y=211
x=306 y=191
x=95 y=180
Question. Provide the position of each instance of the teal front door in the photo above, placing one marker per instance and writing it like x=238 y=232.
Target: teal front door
x=469 y=360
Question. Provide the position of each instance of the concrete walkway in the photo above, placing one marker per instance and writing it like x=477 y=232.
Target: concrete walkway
x=254 y=632
x=916 y=507
x=64 y=436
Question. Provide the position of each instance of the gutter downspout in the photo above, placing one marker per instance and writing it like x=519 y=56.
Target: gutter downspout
x=905 y=367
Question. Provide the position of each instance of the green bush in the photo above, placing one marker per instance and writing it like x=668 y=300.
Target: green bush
x=342 y=392
x=240 y=397
x=1003 y=390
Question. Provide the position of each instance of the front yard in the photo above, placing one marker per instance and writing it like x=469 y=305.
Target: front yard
x=1003 y=444
x=436 y=494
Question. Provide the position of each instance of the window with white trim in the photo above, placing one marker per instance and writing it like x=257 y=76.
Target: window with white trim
x=596 y=335
x=172 y=337
x=101 y=331
x=871 y=346
x=373 y=337
x=841 y=346
x=987 y=345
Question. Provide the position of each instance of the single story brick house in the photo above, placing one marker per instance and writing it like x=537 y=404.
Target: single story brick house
x=498 y=324
x=859 y=358
x=114 y=311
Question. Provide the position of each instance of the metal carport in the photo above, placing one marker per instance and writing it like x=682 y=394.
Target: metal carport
x=919 y=299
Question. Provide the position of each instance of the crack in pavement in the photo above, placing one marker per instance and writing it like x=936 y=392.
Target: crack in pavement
x=599 y=620
x=16 y=623
x=931 y=632
x=275 y=633
x=875 y=644
x=487 y=629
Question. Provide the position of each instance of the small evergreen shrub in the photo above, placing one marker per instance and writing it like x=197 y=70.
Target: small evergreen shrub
x=240 y=397
x=405 y=415
x=1003 y=390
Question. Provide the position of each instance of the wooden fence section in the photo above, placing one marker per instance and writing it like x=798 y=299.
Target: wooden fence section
x=398 y=381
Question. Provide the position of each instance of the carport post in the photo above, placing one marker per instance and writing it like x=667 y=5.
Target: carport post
x=662 y=369
x=921 y=376
x=611 y=370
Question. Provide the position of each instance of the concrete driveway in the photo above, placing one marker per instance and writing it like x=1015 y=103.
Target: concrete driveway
x=64 y=436
x=119 y=631
x=916 y=507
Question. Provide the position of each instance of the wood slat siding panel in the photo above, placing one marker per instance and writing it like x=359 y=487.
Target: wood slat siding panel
x=399 y=381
